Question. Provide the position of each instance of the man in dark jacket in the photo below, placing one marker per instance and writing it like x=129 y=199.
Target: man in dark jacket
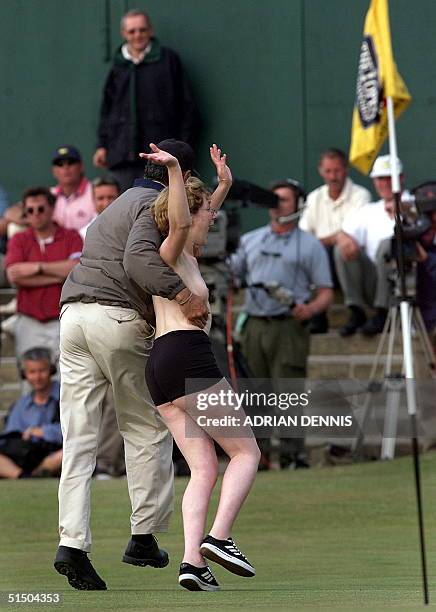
x=106 y=336
x=146 y=98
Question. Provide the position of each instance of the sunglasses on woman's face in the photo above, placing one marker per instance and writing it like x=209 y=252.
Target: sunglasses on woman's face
x=33 y=210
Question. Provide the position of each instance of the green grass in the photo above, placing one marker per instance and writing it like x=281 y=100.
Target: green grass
x=342 y=538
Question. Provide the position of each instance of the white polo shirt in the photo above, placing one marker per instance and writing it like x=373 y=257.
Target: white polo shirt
x=369 y=226
x=324 y=216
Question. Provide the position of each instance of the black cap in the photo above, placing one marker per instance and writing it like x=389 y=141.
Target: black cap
x=184 y=152
x=66 y=152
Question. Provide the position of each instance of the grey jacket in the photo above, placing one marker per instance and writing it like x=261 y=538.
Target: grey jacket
x=120 y=264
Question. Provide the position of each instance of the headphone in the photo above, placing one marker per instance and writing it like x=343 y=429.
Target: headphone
x=37 y=353
x=296 y=186
x=299 y=189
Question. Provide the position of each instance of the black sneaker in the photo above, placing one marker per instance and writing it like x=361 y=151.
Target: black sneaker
x=227 y=554
x=75 y=565
x=375 y=325
x=356 y=321
x=197 y=578
x=139 y=554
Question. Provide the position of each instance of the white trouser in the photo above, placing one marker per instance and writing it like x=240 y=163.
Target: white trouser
x=102 y=344
x=30 y=332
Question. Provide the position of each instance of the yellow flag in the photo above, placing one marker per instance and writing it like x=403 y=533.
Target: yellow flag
x=377 y=79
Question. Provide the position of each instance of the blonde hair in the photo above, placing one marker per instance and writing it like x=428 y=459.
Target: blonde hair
x=195 y=192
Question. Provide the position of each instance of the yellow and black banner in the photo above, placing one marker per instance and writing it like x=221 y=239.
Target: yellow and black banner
x=377 y=79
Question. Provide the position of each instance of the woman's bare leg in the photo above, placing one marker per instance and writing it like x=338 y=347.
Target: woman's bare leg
x=242 y=451
x=238 y=479
x=199 y=452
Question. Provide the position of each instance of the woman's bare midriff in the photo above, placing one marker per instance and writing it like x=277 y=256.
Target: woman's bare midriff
x=169 y=316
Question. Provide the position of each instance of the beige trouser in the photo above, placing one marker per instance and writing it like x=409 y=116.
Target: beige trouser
x=102 y=344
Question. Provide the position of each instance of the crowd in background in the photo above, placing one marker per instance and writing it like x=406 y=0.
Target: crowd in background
x=341 y=240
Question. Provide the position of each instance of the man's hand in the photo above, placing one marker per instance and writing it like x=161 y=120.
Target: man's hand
x=99 y=159
x=160 y=157
x=15 y=214
x=33 y=432
x=220 y=162
x=302 y=312
x=421 y=253
x=195 y=309
x=24 y=269
x=348 y=247
x=329 y=240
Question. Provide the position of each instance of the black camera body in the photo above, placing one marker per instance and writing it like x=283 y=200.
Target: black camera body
x=424 y=198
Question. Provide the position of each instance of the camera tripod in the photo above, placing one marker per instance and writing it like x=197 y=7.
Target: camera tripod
x=394 y=382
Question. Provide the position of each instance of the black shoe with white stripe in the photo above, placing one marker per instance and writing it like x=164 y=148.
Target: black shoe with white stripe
x=227 y=554
x=197 y=578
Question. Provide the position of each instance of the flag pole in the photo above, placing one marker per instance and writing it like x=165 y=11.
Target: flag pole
x=406 y=336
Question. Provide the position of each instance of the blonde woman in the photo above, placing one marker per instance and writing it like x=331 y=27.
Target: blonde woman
x=184 y=213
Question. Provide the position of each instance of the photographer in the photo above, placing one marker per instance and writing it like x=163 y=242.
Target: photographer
x=426 y=277
x=275 y=338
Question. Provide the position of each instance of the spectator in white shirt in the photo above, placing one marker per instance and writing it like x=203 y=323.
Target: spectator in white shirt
x=360 y=255
x=328 y=207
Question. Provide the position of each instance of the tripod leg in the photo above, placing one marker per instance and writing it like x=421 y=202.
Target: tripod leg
x=391 y=419
x=366 y=408
x=424 y=339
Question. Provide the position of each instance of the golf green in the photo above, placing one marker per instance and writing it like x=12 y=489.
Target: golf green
x=342 y=538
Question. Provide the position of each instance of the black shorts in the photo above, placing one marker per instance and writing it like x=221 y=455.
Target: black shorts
x=176 y=356
x=25 y=453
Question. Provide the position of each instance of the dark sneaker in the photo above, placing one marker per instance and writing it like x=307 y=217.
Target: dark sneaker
x=197 y=578
x=227 y=554
x=319 y=324
x=300 y=462
x=375 y=325
x=356 y=321
x=139 y=554
x=75 y=565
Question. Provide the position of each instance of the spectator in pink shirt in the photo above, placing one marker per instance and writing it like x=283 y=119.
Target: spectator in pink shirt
x=75 y=205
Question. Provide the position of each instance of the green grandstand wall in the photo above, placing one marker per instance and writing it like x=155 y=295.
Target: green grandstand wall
x=274 y=80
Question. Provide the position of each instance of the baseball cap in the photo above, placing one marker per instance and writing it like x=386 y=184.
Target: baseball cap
x=181 y=150
x=66 y=152
x=382 y=166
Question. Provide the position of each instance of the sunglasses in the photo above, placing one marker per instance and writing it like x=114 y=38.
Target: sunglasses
x=140 y=30
x=64 y=162
x=33 y=210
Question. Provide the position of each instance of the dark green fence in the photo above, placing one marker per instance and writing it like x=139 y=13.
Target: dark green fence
x=274 y=80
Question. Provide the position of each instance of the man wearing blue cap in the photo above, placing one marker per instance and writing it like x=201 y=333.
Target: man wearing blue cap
x=75 y=205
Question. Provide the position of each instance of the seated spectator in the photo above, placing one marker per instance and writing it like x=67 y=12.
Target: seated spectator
x=327 y=208
x=31 y=444
x=105 y=190
x=74 y=199
x=4 y=205
x=360 y=255
x=38 y=261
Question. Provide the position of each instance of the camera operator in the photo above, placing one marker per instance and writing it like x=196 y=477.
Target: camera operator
x=426 y=277
x=275 y=338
